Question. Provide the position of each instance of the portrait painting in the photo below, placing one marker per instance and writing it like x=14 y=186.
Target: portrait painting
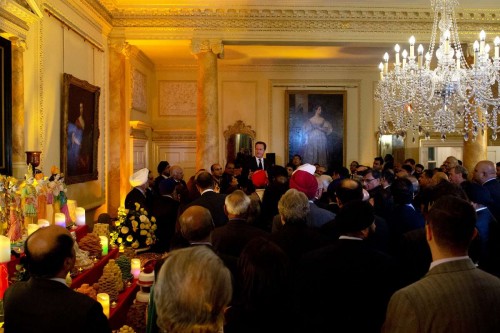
x=315 y=126
x=79 y=130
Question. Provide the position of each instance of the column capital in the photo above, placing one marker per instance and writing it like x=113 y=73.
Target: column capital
x=18 y=43
x=119 y=46
x=207 y=45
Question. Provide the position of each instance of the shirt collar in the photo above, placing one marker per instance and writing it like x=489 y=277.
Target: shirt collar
x=444 y=260
x=350 y=237
x=61 y=280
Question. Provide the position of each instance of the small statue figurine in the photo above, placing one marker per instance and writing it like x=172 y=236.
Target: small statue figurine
x=29 y=198
x=15 y=223
x=42 y=191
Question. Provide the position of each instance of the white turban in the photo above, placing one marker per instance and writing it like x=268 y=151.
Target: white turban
x=139 y=177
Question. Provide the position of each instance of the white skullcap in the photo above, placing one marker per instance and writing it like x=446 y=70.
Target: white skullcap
x=309 y=168
x=139 y=177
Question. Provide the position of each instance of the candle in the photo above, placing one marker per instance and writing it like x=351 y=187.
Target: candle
x=405 y=55
x=482 y=39
x=43 y=223
x=104 y=245
x=386 y=64
x=420 y=56
x=476 y=50
x=135 y=267
x=497 y=47
x=459 y=55
x=32 y=228
x=412 y=46
x=60 y=220
x=487 y=51
x=72 y=210
x=80 y=216
x=381 y=67
x=103 y=298
x=397 y=48
x=446 y=42
x=4 y=249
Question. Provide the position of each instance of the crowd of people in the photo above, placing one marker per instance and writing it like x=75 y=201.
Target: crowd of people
x=387 y=247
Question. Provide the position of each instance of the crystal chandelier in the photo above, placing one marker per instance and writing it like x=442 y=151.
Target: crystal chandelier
x=453 y=97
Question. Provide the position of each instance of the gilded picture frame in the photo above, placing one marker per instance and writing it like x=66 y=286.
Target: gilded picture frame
x=316 y=135
x=79 y=130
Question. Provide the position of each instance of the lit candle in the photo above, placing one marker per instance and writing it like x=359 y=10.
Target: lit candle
x=412 y=46
x=497 y=47
x=405 y=55
x=487 y=51
x=43 y=223
x=104 y=245
x=420 y=56
x=482 y=39
x=381 y=67
x=428 y=59
x=32 y=228
x=397 y=48
x=386 y=64
x=4 y=249
x=72 y=210
x=103 y=298
x=60 y=220
x=459 y=55
x=476 y=50
x=135 y=267
x=446 y=36
x=80 y=216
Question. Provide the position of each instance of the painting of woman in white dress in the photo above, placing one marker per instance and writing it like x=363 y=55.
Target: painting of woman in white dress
x=316 y=130
x=316 y=127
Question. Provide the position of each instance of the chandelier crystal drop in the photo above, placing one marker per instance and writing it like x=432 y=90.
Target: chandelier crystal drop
x=453 y=97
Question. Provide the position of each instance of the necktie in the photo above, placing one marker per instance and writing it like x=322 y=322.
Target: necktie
x=260 y=164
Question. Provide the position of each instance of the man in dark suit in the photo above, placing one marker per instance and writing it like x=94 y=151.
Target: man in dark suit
x=163 y=173
x=212 y=201
x=231 y=238
x=345 y=287
x=45 y=304
x=139 y=182
x=257 y=162
x=165 y=209
x=454 y=296
x=485 y=175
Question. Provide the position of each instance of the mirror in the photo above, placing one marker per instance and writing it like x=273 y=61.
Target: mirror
x=239 y=141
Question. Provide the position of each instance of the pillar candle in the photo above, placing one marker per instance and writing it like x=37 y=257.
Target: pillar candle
x=135 y=267
x=4 y=249
x=43 y=223
x=32 y=228
x=80 y=216
x=60 y=220
x=103 y=298
x=50 y=213
x=104 y=244
x=72 y=210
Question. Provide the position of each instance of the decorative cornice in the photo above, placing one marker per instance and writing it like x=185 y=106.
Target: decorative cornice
x=273 y=68
x=174 y=135
x=18 y=11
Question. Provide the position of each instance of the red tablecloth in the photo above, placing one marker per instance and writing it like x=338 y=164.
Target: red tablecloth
x=118 y=314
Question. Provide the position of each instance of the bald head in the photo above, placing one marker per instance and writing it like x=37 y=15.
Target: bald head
x=484 y=171
x=196 y=224
x=49 y=252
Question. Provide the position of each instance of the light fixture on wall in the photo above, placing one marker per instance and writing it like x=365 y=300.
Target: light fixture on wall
x=452 y=97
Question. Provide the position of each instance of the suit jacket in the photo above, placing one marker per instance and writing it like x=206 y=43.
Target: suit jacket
x=135 y=195
x=47 y=306
x=165 y=209
x=214 y=202
x=344 y=287
x=231 y=238
x=452 y=297
x=493 y=186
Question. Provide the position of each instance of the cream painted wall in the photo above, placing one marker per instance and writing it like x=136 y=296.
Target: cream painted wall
x=54 y=49
x=256 y=95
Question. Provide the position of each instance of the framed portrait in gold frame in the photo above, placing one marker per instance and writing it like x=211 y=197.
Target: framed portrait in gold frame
x=79 y=130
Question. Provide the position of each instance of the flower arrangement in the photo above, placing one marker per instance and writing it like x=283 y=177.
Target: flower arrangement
x=134 y=228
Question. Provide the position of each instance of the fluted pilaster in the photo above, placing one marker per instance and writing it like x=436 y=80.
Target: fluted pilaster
x=18 y=144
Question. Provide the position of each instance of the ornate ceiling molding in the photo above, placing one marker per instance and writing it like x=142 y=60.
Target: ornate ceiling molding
x=15 y=19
